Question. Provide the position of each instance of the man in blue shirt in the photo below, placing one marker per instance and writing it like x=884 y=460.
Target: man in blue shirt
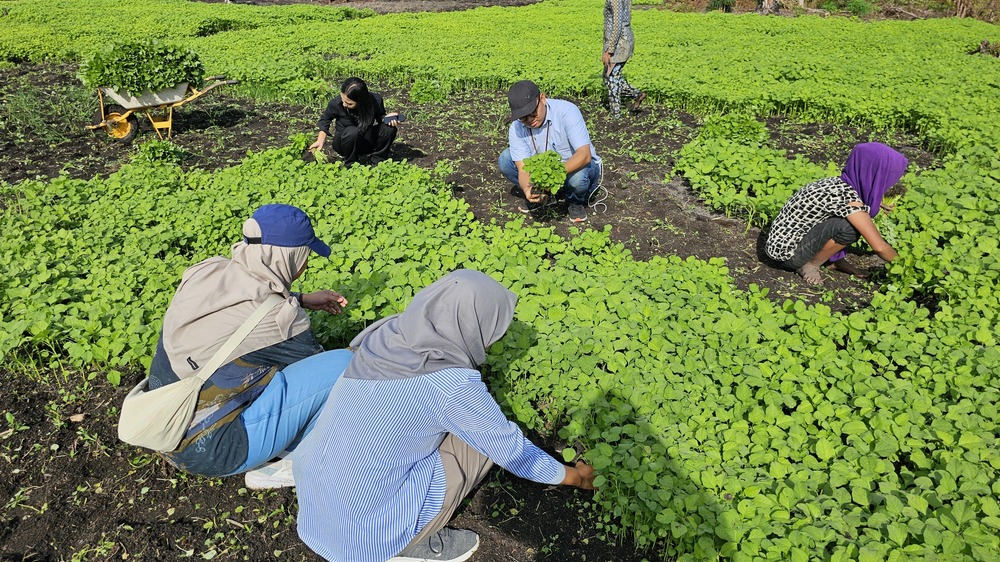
x=541 y=124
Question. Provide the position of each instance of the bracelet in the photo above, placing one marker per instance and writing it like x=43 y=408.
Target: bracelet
x=298 y=297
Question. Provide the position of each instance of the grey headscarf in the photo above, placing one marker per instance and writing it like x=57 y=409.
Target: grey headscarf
x=450 y=323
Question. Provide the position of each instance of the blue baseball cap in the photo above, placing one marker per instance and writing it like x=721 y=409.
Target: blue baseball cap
x=286 y=226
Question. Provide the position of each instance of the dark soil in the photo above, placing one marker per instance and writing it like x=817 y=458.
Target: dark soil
x=75 y=492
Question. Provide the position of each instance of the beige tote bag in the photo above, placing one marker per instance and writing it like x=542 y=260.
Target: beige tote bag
x=159 y=419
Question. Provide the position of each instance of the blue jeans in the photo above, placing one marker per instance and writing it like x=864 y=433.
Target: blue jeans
x=285 y=412
x=578 y=187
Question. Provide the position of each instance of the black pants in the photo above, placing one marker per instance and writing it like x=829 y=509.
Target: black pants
x=836 y=228
x=373 y=144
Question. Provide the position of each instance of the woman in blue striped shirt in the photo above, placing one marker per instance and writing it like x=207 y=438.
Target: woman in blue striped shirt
x=410 y=428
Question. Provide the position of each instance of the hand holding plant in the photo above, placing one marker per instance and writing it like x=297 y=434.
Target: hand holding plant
x=329 y=301
x=547 y=171
x=581 y=475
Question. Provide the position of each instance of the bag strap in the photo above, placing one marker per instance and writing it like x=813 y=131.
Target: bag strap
x=237 y=338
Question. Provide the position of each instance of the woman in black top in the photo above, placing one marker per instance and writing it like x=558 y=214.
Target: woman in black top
x=362 y=129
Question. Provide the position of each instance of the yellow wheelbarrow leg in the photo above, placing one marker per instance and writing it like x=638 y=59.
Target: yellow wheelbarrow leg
x=163 y=121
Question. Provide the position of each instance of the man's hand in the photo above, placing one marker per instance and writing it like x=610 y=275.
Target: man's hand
x=531 y=196
x=329 y=301
x=886 y=207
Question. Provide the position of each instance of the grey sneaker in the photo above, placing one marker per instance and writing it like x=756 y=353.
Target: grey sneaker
x=447 y=545
x=577 y=212
x=276 y=474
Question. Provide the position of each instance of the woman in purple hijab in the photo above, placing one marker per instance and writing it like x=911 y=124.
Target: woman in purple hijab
x=826 y=216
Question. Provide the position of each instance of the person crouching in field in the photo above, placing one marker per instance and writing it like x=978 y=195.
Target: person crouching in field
x=262 y=400
x=363 y=131
x=826 y=216
x=539 y=124
x=411 y=428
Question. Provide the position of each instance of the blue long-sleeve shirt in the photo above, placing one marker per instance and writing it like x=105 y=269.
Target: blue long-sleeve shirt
x=369 y=477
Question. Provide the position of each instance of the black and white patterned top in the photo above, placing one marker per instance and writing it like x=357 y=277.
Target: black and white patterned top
x=809 y=206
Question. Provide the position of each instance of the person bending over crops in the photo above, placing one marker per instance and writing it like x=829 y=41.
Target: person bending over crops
x=826 y=216
x=363 y=131
x=262 y=401
x=540 y=124
x=619 y=42
x=410 y=429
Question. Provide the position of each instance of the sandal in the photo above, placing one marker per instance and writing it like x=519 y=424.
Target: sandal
x=638 y=102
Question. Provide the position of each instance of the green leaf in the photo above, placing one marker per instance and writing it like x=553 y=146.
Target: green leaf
x=569 y=454
x=825 y=450
x=898 y=533
x=854 y=427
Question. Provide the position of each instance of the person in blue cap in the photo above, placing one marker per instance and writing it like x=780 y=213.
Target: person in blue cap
x=263 y=400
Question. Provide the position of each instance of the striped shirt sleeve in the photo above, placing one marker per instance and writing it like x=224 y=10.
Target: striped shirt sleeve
x=473 y=415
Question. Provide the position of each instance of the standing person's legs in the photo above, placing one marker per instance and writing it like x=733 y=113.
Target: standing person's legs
x=617 y=87
x=384 y=137
x=628 y=91
x=612 y=82
x=282 y=415
x=464 y=469
x=507 y=167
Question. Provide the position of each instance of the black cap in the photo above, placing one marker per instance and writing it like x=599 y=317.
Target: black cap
x=523 y=98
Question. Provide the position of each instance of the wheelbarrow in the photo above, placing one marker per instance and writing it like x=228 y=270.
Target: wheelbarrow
x=119 y=119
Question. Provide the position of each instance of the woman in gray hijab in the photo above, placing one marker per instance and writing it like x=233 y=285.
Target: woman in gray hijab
x=261 y=401
x=421 y=429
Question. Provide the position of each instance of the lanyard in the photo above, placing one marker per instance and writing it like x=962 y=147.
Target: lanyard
x=548 y=125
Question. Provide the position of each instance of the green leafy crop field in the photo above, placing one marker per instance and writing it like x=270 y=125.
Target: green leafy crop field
x=724 y=424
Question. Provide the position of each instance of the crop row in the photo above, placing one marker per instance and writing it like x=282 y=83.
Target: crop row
x=915 y=75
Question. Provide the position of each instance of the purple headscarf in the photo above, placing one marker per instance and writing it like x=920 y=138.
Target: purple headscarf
x=871 y=169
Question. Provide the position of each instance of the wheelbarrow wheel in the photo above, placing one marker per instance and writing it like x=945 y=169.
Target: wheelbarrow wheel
x=120 y=128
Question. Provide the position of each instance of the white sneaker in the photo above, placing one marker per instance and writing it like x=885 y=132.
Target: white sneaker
x=276 y=474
